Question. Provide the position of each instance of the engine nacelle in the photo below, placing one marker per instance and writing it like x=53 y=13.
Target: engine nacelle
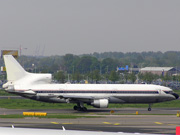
x=100 y=103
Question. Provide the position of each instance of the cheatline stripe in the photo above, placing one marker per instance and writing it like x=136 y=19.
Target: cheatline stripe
x=77 y=90
x=98 y=91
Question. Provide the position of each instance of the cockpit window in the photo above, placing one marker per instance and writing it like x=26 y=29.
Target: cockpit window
x=168 y=92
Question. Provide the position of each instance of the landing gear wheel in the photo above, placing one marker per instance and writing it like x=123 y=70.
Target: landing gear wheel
x=75 y=107
x=149 y=109
x=79 y=109
x=84 y=109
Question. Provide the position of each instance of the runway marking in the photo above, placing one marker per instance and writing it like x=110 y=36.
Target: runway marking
x=106 y=122
x=116 y=124
x=158 y=123
x=54 y=123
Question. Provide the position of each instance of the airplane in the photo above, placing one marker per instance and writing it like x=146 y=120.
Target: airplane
x=32 y=131
x=38 y=86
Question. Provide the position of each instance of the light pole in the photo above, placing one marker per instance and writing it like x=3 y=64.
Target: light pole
x=34 y=68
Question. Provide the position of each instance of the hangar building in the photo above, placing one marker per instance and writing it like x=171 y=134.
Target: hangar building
x=159 y=70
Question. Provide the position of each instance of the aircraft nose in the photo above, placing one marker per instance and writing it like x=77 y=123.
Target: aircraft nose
x=175 y=95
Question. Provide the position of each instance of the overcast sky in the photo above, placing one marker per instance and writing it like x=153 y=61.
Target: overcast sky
x=58 y=27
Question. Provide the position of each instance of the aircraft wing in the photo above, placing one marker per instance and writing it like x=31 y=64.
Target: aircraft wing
x=88 y=98
x=79 y=98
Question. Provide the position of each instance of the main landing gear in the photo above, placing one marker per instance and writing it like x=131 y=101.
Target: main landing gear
x=80 y=107
x=149 y=108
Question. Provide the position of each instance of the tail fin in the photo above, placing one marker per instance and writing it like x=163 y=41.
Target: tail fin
x=14 y=70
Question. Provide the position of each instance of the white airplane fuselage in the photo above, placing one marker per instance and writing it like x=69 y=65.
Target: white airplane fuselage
x=115 y=93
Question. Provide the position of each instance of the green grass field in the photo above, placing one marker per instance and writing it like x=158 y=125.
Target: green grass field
x=4 y=93
x=57 y=116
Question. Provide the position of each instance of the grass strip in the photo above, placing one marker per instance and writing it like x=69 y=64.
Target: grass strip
x=57 y=116
x=31 y=104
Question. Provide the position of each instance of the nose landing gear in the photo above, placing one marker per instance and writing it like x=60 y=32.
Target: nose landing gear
x=149 y=108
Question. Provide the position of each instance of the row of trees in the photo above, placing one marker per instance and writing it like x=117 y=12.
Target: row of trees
x=115 y=77
x=169 y=58
x=104 y=62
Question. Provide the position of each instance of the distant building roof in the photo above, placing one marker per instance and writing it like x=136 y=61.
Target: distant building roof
x=156 y=68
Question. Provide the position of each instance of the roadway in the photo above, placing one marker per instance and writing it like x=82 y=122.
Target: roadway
x=158 y=124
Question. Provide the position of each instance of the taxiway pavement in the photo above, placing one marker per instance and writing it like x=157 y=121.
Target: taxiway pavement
x=158 y=121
